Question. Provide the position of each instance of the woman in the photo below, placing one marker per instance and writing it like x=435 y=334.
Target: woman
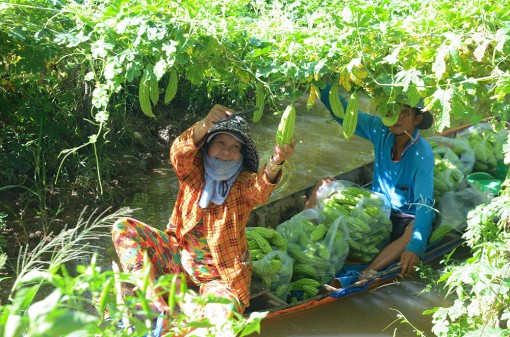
x=217 y=168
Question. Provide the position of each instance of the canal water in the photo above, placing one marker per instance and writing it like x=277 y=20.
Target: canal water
x=321 y=151
x=392 y=309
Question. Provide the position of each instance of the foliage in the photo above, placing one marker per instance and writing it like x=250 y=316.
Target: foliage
x=480 y=286
x=47 y=300
x=67 y=309
x=384 y=48
x=71 y=244
x=65 y=62
x=288 y=45
x=85 y=59
x=402 y=319
x=3 y=242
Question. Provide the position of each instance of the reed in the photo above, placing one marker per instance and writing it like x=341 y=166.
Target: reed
x=71 y=244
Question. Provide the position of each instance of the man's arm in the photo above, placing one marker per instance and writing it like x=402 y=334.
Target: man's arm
x=327 y=103
x=424 y=201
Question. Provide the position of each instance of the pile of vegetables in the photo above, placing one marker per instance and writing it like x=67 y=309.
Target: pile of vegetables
x=453 y=161
x=270 y=260
x=488 y=147
x=478 y=149
x=350 y=221
x=447 y=175
x=318 y=251
x=365 y=216
x=298 y=256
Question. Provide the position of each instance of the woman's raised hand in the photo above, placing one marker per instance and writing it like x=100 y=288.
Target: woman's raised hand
x=217 y=112
x=282 y=153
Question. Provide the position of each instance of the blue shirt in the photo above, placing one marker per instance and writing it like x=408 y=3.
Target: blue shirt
x=407 y=183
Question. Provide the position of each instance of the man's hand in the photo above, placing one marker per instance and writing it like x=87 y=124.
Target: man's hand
x=408 y=260
x=312 y=200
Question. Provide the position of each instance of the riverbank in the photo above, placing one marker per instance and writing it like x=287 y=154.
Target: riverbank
x=32 y=217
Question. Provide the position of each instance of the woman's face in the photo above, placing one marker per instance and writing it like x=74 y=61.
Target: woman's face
x=225 y=147
x=407 y=121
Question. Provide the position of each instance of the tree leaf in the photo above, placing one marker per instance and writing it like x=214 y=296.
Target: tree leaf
x=14 y=326
x=442 y=101
x=413 y=96
x=74 y=322
x=439 y=66
x=393 y=57
x=42 y=308
x=480 y=50
x=501 y=38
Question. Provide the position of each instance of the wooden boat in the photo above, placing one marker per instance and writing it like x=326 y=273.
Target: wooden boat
x=280 y=210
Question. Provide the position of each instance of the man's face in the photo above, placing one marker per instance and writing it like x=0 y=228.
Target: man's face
x=407 y=121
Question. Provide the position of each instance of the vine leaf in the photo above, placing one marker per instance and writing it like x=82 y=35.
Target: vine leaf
x=439 y=66
x=444 y=98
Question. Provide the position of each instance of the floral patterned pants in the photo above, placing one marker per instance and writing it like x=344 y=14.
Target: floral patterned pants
x=132 y=239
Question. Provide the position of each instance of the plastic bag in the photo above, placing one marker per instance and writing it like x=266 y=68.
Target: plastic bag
x=487 y=145
x=447 y=179
x=293 y=229
x=366 y=243
x=453 y=211
x=329 y=190
x=364 y=213
x=275 y=270
x=464 y=158
x=318 y=250
x=448 y=175
x=336 y=243
x=332 y=187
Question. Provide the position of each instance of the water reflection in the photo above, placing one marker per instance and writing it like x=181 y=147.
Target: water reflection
x=155 y=203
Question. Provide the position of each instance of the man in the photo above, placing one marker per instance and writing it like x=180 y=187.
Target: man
x=404 y=173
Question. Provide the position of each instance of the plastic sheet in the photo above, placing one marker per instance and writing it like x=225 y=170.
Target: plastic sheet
x=453 y=211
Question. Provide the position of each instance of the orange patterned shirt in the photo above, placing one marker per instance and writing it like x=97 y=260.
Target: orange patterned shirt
x=224 y=224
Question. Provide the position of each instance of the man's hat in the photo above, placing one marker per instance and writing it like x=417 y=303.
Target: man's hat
x=418 y=107
x=427 y=116
x=239 y=129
